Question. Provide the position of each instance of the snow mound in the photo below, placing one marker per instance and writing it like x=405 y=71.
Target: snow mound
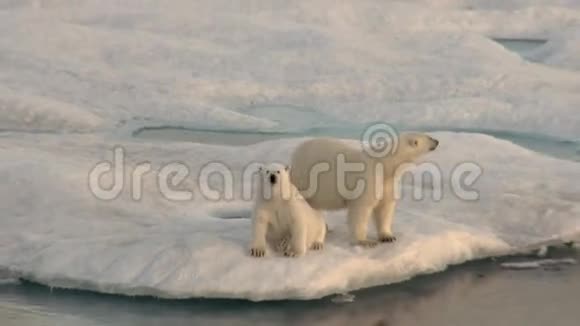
x=54 y=231
x=20 y=112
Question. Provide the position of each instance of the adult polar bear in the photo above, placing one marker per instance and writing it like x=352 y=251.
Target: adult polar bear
x=283 y=218
x=329 y=164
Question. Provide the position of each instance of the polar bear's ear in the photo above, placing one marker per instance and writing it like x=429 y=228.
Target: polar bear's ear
x=287 y=168
x=260 y=168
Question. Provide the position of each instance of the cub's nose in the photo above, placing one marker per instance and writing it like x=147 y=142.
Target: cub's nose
x=434 y=143
x=272 y=179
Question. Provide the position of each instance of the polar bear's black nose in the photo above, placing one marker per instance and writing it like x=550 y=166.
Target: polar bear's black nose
x=434 y=143
x=272 y=179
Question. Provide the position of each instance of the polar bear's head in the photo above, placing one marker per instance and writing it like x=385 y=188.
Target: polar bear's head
x=412 y=145
x=275 y=182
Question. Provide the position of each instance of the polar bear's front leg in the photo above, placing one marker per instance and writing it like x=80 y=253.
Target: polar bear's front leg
x=358 y=220
x=321 y=235
x=298 y=238
x=260 y=227
x=383 y=215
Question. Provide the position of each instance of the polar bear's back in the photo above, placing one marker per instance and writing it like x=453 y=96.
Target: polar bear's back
x=314 y=155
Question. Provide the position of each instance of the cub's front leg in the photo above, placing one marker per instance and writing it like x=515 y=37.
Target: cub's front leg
x=298 y=235
x=260 y=223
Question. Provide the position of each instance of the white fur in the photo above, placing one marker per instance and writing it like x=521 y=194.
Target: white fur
x=283 y=218
x=376 y=198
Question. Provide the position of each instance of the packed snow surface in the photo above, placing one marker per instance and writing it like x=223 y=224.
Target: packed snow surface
x=78 y=78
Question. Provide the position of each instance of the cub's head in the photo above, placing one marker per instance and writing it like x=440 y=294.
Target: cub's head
x=275 y=181
x=412 y=145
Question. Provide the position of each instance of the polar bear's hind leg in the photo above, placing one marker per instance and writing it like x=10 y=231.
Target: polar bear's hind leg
x=358 y=217
x=318 y=243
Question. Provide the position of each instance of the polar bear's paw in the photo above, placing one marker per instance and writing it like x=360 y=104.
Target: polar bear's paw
x=258 y=252
x=367 y=243
x=284 y=244
x=289 y=253
x=317 y=246
x=387 y=238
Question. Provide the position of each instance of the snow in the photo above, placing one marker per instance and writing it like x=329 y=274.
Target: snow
x=80 y=77
x=205 y=61
x=343 y=298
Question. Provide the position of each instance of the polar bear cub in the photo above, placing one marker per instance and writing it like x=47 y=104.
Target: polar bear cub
x=282 y=217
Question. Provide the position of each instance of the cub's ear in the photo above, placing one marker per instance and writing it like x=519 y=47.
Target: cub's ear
x=260 y=169
x=287 y=168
